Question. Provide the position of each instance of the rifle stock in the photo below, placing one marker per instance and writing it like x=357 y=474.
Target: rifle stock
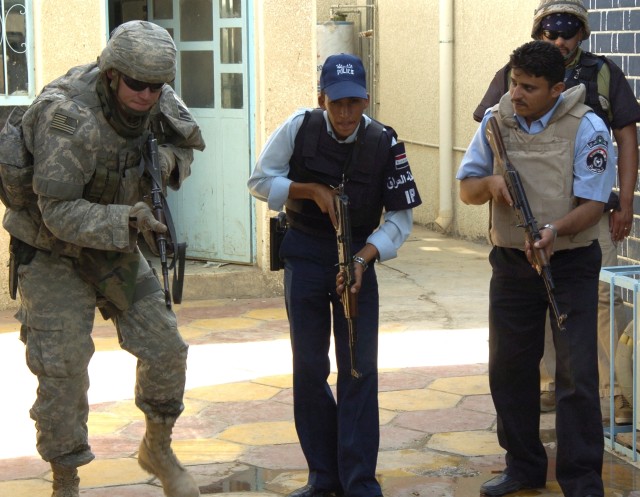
x=525 y=216
x=345 y=262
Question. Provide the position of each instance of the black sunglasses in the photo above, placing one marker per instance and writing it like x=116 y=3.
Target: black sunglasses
x=554 y=35
x=136 y=85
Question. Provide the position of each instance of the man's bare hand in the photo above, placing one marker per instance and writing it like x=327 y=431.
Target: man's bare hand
x=545 y=244
x=358 y=270
x=321 y=194
x=620 y=224
x=498 y=190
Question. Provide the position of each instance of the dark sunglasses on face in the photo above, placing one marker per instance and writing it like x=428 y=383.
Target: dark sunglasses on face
x=554 y=35
x=136 y=85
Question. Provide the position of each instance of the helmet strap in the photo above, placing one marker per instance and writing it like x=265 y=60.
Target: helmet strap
x=571 y=56
x=125 y=121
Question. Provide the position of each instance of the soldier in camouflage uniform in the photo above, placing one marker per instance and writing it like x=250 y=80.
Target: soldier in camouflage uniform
x=76 y=237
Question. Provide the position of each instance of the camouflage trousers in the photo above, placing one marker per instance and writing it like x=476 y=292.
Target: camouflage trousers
x=57 y=314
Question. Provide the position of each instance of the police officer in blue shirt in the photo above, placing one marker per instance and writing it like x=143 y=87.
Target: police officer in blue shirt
x=300 y=167
x=564 y=155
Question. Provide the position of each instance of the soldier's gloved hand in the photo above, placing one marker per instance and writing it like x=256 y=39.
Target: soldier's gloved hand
x=167 y=162
x=142 y=218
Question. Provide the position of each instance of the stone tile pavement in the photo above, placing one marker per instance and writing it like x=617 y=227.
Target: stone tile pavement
x=237 y=434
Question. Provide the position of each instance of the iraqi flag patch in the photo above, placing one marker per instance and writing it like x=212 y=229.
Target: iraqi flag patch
x=401 y=161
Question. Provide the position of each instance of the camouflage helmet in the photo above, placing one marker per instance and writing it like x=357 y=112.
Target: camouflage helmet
x=141 y=50
x=547 y=7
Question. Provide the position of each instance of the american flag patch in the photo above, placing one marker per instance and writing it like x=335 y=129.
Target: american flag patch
x=401 y=161
x=64 y=123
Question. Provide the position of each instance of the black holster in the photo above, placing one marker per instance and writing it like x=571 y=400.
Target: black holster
x=19 y=253
x=277 y=229
x=613 y=204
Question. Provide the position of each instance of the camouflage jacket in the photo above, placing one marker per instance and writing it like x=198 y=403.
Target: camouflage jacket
x=85 y=175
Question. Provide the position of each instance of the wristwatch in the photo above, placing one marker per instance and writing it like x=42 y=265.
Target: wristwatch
x=360 y=260
x=553 y=230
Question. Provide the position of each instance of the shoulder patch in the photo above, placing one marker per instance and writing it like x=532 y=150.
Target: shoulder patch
x=401 y=161
x=597 y=160
x=599 y=141
x=64 y=123
x=183 y=112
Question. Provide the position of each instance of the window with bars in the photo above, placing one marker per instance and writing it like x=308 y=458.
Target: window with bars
x=16 y=46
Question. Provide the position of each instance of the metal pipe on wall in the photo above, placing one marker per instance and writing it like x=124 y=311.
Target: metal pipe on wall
x=445 y=214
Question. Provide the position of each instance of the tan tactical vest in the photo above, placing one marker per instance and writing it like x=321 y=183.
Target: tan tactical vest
x=545 y=164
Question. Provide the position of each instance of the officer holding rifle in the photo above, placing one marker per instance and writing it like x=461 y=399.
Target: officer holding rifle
x=563 y=153
x=302 y=167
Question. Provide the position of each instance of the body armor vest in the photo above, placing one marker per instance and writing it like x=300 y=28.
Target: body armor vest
x=318 y=158
x=545 y=164
x=586 y=72
x=115 y=178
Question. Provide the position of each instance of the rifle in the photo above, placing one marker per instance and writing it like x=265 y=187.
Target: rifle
x=161 y=213
x=345 y=262
x=525 y=216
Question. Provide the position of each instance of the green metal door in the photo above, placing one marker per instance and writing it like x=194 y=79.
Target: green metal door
x=212 y=211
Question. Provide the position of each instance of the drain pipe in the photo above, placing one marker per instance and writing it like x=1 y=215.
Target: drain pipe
x=445 y=214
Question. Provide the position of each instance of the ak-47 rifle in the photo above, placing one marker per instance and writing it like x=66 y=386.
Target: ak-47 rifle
x=161 y=213
x=525 y=216
x=345 y=261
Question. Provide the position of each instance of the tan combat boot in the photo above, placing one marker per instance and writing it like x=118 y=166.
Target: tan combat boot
x=65 y=481
x=157 y=457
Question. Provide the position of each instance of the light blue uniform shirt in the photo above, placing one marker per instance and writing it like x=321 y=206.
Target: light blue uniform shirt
x=588 y=183
x=269 y=183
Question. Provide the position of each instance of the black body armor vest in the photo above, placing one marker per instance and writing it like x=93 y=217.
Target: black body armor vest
x=318 y=158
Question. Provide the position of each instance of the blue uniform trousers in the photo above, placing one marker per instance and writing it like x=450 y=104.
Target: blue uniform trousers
x=339 y=434
x=518 y=305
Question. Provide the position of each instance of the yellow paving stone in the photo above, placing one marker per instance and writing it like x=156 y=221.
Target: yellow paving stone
x=268 y=314
x=191 y=304
x=104 y=423
x=463 y=385
x=98 y=320
x=189 y=333
x=246 y=494
x=193 y=407
x=393 y=327
x=288 y=481
x=466 y=443
x=25 y=488
x=206 y=451
x=278 y=381
x=13 y=327
x=386 y=416
x=417 y=400
x=214 y=324
x=106 y=472
x=264 y=433
x=128 y=410
x=106 y=344
x=409 y=462
x=232 y=392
